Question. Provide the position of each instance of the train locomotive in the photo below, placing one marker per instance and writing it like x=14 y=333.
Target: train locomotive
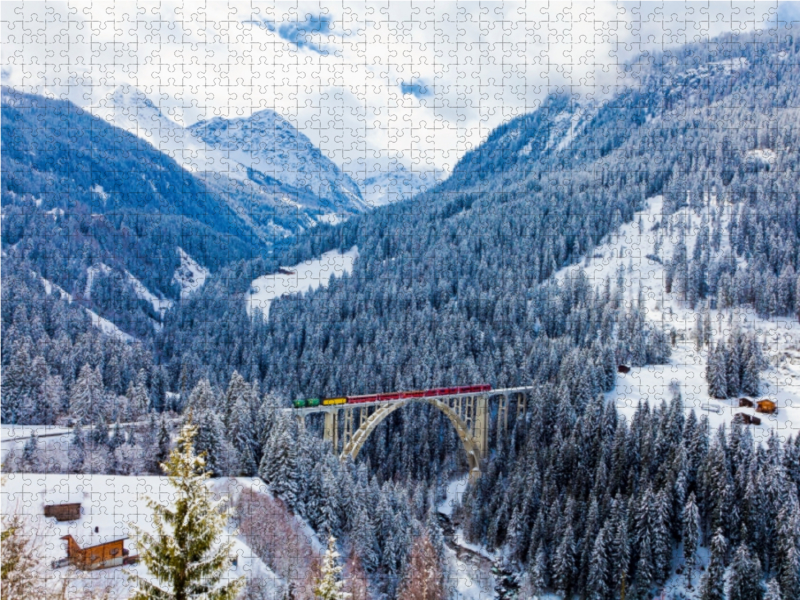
x=367 y=398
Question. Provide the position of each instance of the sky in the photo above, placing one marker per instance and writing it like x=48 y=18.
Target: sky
x=369 y=83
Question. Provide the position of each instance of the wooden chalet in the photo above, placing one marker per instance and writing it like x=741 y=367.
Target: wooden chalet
x=63 y=512
x=106 y=554
x=766 y=406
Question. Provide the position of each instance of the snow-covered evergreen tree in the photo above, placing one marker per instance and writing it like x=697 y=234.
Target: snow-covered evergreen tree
x=597 y=581
x=773 y=591
x=564 y=563
x=77 y=450
x=185 y=553
x=712 y=586
x=279 y=463
x=87 y=402
x=331 y=585
x=690 y=535
x=744 y=581
x=716 y=373
x=363 y=540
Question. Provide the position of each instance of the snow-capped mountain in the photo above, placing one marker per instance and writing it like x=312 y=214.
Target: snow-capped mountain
x=268 y=144
x=396 y=183
x=270 y=174
x=130 y=109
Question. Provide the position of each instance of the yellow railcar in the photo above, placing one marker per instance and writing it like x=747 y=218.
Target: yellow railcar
x=333 y=401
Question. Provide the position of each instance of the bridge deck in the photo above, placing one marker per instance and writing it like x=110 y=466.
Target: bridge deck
x=335 y=407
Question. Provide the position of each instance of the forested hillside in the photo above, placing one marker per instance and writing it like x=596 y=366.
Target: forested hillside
x=461 y=272
x=465 y=283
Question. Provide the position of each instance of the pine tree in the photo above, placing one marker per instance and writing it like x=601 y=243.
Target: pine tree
x=564 y=563
x=138 y=399
x=744 y=582
x=184 y=554
x=538 y=572
x=363 y=540
x=716 y=373
x=210 y=441
x=712 y=586
x=77 y=450
x=751 y=382
x=597 y=582
x=773 y=591
x=87 y=400
x=279 y=463
x=163 y=440
x=690 y=536
x=30 y=454
x=788 y=549
x=330 y=585
x=202 y=397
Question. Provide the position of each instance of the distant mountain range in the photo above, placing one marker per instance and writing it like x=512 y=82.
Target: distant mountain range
x=122 y=193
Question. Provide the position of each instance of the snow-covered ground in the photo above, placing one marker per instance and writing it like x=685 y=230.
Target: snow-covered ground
x=160 y=305
x=631 y=251
x=300 y=278
x=109 y=503
x=191 y=275
x=51 y=439
x=466 y=581
x=108 y=327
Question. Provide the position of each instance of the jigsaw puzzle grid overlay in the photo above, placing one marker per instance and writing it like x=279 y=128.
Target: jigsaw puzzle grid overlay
x=376 y=88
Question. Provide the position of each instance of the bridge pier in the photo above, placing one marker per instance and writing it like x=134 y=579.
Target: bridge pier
x=347 y=433
x=480 y=429
x=331 y=429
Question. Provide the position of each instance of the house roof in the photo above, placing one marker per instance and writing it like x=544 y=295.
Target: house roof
x=95 y=540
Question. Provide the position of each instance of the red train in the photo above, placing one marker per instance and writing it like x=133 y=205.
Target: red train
x=463 y=389
x=450 y=391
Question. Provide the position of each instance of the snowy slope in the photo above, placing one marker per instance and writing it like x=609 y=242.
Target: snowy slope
x=104 y=325
x=299 y=278
x=634 y=250
x=91 y=273
x=191 y=275
x=110 y=503
x=160 y=304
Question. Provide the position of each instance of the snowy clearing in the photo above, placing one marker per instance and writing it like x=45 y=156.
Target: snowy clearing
x=160 y=305
x=109 y=503
x=91 y=273
x=453 y=494
x=298 y=279
x=636 y=253
x=108 y=327
x=191 y=275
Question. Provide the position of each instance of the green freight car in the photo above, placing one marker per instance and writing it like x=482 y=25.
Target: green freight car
x=306 y=403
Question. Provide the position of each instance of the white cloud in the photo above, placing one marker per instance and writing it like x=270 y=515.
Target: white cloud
x=339 y=81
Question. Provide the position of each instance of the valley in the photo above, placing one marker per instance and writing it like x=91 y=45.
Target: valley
x=560 y=361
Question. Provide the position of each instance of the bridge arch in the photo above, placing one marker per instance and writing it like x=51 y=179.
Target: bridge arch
x=469 y=438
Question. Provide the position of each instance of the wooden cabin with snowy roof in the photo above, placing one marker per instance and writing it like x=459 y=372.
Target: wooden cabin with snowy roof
x=106 y=553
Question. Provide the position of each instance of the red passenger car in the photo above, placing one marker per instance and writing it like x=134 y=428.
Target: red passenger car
x=449 y=391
